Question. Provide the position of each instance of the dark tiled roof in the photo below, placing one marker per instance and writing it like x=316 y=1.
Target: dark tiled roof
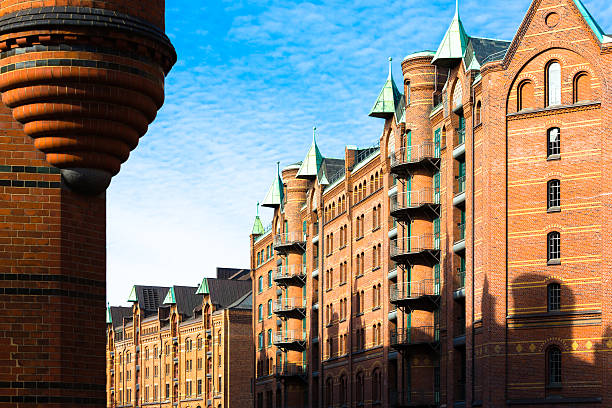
x=224 y=292
x=487 y=50
x=333 y=168
x=118 y=313
x=233 y=273
x=186 y=299
x=150 y=297
x=245 y=302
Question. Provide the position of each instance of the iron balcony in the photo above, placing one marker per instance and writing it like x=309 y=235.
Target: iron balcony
x=290 y=242
x=459 y=292
x=290 y=275
x=416 y=250
x=290 y=308
x=416 y=338
x=415 y=204
x=422 y=295
x=292 y=370
x=291 y=340
x=405 y=160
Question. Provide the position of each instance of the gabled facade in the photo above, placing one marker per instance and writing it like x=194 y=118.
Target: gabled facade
x=462 y=261
x=182 y=346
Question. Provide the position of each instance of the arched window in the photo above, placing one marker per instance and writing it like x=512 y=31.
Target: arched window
x=260 y=312
x=553 y=142
x=376 y=385
x=554 y=195
x=360 y=387
x=554 y=247
x=526 y=98
x=269 y=307
x=554 y=297
x=478 y=112
x=553 y=355
x=343 y=389
x=329 y=392
x=553 y=84
x=582 y=87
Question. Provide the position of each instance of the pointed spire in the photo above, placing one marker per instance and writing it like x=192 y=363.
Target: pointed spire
x=170 y=299
x=109 y=316
x=133 y=295
x=203 y=288
x=388 y=99
x=314 y=159
x=454 y=43
x=258 y=228
x=275 y=195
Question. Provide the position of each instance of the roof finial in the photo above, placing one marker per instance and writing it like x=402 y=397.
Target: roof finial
x=314 y=134
x=258 y=208
x=456 y=8
x=390 y=61
x=278 y=167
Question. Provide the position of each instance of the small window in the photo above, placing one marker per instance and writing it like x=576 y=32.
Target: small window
x=554 y=195
x=554 y=365
x=270 y=278
x=554 y=297
x=554 y=247
x=260 y=284
x=269 y=307
x=553 y=83
x=553 y=140
x=260 y=313
x=478 y=113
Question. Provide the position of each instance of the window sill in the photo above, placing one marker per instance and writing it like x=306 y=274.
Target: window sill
x=328 y=289
x=553 y=209
x=376 y=308
x=342 y=284
x=554 y=386
x=342 y=320
x=376 y=268
x=553 y=157
x=359 y=238
x=342 y=247
x=554 y=262
x=375 y=228
x=359 y=276
x=358 y=314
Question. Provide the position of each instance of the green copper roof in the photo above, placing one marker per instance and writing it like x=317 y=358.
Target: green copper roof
x=453 y=44
x=312 y=163
x=599 y=33
x=258 y=228
x=203 y=288
x=170 y=299
x=109 y=316
x=133 y=296
x=388 y=99
x=274 y=198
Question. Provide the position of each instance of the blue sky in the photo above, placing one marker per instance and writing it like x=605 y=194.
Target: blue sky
x=251 y=80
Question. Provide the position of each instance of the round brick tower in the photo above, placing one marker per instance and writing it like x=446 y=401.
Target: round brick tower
x=85 y=82
x=84 y=79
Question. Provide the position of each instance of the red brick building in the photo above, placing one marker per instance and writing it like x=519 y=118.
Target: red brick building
x=462 y=260
x=80 y=82
x=180 y=346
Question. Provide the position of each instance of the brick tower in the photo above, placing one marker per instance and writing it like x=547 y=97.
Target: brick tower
x=80 y=83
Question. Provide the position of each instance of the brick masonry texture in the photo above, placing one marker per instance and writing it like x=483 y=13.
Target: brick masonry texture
x=63 y=92
x=487 y=338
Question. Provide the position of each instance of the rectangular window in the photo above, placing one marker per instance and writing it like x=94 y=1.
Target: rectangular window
x=199 y=387
x=554 y=194
x=554 y=246
x=554 y=142
x=554 y=297
x=167 y=391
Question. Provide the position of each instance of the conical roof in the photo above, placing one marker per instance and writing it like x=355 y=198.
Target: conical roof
x=312 y=163
x=388 y=99
x=274 y=198
x=133 y=295
x=453 y=44
x=109 y=316
x=203 y=288
x=170 y=298
x=258 y=227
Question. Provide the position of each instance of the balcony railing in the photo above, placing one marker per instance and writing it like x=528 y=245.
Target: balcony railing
x=414 y=289
x=414 y=198
x=415 y=335
x=287 y=239
x=289 y=337
x=288 y=305
x=414 y=154
x=292 y=369
x=460 y=136
x=286 y=272
x=414 y=244
x=460 y=186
